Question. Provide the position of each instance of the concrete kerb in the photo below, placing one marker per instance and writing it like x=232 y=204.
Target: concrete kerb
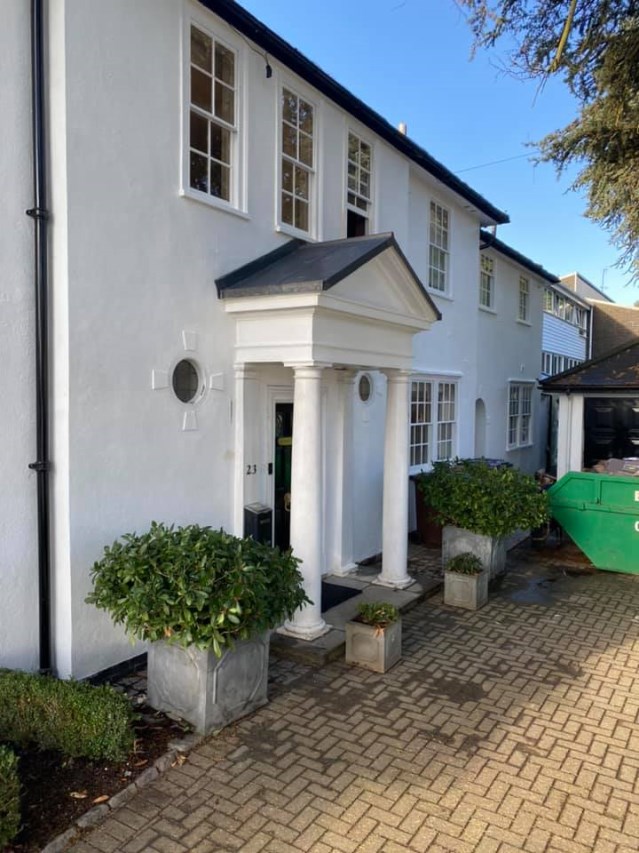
x=98 y=813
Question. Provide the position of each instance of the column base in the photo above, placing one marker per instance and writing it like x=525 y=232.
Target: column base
x=311 y=632
x=345 y=571
x=393 y=583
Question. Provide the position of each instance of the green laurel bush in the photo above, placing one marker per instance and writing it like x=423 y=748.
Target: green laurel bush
x=475 y=496
x=377 y=613
x=465 y=564
x=74 y=717
x=196 y=586
x=9 y=796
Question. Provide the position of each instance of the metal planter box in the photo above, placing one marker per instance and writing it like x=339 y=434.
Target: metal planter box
x=374 y=648
x=207 y=691
x=467 y=591
x=600 y=513
x=491 y=551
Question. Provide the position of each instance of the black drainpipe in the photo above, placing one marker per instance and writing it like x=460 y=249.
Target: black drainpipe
x=40 y=215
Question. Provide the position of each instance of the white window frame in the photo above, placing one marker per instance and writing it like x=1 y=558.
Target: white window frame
x=366 y=213
x=523 y=305
x=285 y=227
x=430 y=423
x=486 y=282
x=519 y=415
x=237 y=201
x=439 y=242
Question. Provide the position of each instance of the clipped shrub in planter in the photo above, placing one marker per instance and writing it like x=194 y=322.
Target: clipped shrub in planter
x=374 y=637
x=465 y=582
x=74 y=717
x=9 y=796
x=206 y=600
x=484 y=504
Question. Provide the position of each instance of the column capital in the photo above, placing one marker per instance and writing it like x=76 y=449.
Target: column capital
x=346 y=374
x=310 y=370
x=397 y=375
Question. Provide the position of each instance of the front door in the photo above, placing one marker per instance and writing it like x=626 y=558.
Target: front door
x=282 y=453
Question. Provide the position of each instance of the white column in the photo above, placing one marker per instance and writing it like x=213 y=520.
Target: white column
x=341 y=501
x=570 y=437
x=396 y=463
x=306 y=499
x=246 y=441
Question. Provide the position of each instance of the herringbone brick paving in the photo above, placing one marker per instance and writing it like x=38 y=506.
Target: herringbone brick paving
x=510 y=729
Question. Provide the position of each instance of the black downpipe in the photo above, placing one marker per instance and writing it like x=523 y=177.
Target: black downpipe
x=40 y=215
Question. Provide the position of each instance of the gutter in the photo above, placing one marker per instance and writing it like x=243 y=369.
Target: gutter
x=40 y=216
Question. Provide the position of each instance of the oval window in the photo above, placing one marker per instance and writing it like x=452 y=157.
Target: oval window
x=186 y=381
x=365 y=388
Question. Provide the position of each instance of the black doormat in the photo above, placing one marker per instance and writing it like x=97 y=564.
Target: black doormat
x=334 y=594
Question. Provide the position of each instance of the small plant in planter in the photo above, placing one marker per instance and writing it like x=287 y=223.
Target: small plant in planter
x=206 y=601
x=374 y=637
x=481 y=504
x=465 y=582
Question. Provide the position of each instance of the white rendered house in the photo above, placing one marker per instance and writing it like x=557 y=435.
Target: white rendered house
x=259 y=291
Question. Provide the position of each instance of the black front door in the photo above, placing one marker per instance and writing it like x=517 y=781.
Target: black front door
x=611 y=429
x=283 y=452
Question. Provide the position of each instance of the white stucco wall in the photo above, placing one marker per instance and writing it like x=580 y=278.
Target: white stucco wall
x=18 y=532
x=133 y=268
x=509 y=350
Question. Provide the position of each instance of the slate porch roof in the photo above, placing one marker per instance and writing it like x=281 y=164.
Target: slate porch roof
x=300 y=267
x=615 y=371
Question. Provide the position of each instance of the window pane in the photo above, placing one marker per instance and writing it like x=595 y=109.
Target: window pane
x=201 y=46
x=220 y=183
x=201 y=89
x=289 y=107
x=301 y=214
x=353 y=148
x=365 y=160
x=287 y=209
x=306 y=117
x=287 y=175
x=289 y=141
x=199 y=132
x=224 y=103
x=306 y=150
x=301 y=183
x=220 y=143
x=224 y=65
x=199 y=172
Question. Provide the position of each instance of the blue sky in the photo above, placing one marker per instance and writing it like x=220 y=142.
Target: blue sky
x=410 y=61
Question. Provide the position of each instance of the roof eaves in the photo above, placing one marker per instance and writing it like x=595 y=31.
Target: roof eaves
x=489 y=241
x=279 y=49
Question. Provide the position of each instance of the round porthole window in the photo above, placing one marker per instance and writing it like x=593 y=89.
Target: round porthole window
x=186 y=381
x=365 y=388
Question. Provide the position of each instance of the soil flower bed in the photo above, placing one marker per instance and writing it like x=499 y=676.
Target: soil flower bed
x=56 y=790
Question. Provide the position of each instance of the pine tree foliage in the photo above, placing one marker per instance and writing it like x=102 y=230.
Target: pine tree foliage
x=593 y=45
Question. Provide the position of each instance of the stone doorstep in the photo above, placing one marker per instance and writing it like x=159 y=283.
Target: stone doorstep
x=331 y=646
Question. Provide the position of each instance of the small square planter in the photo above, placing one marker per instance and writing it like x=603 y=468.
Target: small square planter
x=490 y=550
x=373 y=648
x=467 y=591
x=207 y=691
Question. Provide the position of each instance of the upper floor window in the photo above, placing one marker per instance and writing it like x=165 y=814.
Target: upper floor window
x=548 y=300
x=212 y=117
x=433 y=421
x=487 y=282
x=523 y=312
x=358 y=189
x=297 y=161
x=439 y=248
x=519 y=414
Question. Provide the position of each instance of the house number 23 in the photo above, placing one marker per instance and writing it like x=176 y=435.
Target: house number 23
x=251 y=469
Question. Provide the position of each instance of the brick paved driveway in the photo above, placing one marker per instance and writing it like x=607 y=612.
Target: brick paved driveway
x=510 y=729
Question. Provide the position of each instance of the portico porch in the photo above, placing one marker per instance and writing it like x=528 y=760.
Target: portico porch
x=324 y=312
